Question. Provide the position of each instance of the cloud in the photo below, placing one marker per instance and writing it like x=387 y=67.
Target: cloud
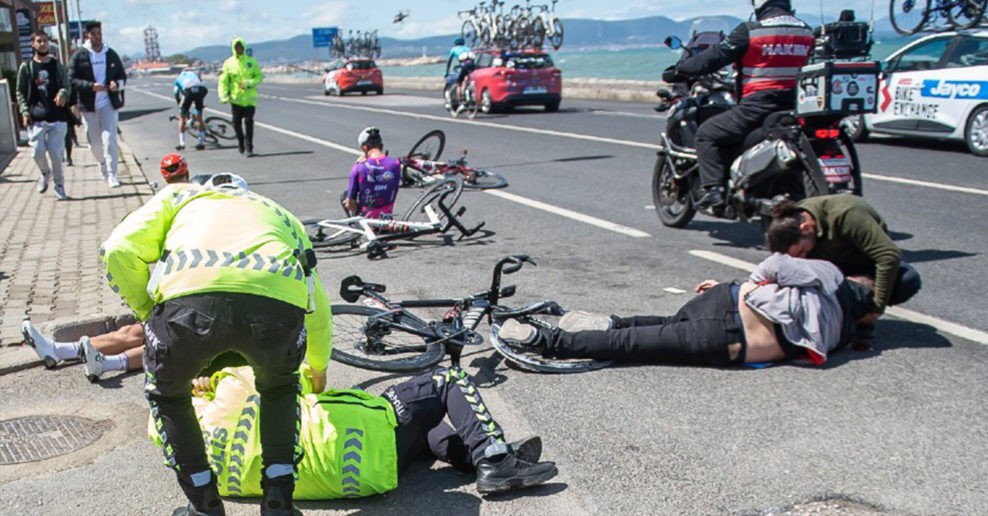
x=326 y=14
x=229 y=5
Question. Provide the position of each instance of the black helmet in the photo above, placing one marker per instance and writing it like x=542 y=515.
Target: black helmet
x=459 y=41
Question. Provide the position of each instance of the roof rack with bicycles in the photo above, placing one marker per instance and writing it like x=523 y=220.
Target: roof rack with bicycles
x=910 y=17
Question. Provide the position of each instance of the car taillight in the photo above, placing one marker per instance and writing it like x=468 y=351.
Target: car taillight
x=827 y=134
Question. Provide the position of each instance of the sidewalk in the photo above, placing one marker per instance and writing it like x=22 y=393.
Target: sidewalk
x=49 y=266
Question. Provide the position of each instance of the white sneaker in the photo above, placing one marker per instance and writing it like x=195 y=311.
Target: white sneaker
x=578 y=320
x=112 y=181
x=42 y=345
x=42 y=184
x=93 y=359
x=60 y=193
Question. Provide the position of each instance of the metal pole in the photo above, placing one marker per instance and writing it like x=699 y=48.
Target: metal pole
x=63 y=49
x=78 y=21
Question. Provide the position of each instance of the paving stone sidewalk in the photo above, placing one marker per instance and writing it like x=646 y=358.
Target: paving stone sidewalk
x=49 y=266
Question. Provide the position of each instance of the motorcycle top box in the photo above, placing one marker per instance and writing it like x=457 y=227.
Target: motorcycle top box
x=838 y=88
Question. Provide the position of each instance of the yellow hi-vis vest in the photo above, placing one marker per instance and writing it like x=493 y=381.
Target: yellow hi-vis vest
x=216 y=240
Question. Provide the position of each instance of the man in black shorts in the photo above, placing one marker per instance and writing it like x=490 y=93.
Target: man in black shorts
x=189 y=89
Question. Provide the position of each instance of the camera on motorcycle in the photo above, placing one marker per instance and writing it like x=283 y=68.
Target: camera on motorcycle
x=674 y=42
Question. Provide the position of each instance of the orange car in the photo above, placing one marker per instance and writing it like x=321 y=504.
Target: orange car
x=354 y=74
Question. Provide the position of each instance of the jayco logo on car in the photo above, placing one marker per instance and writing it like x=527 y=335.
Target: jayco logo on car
x=955 y=89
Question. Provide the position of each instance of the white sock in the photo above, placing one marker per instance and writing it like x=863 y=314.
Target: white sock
x=66 y=350
x=115 y=362
x=202 y=136
x=181 y=138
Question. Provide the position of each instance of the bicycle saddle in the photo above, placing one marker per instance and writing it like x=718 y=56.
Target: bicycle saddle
x=352 y=287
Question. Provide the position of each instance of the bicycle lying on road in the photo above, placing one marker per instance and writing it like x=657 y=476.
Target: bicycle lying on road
x=431 y=213
x=421 y=166
x=383 y=335
x=217 y=128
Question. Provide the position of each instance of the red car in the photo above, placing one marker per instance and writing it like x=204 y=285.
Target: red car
x=509 y=78
x=354 y=74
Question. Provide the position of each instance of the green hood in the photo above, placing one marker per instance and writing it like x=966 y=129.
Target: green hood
x=233 y=45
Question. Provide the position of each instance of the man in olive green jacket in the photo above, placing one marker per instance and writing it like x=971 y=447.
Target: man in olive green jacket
x=847 y=231
x=238 y=87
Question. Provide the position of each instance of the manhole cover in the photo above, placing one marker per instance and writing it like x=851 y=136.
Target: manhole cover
x=34 y=438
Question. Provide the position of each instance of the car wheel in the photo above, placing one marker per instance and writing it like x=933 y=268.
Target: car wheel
x=325 y=91
x=854 y=127
x=976 y=132
x=552 y=107
x=380 y=91
x=363 y=92
x=486 y=102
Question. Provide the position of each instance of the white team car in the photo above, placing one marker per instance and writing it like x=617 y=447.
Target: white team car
x=934 y=87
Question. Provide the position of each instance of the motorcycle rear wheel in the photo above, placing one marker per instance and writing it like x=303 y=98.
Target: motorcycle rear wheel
x=673 y=201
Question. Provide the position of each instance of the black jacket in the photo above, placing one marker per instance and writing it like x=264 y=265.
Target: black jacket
x=82 y=78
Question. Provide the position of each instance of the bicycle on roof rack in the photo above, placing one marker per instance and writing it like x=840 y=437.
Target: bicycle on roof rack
x=911 y=16
x=421 y=166
x=383 y=335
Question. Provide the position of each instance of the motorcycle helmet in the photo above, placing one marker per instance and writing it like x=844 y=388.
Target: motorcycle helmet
x=759 y=4
x=173 y=166
x=227 y=180
x=369 y=135
x=459 y=42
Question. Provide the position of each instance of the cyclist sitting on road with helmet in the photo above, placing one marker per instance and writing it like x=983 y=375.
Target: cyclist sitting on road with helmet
x=767 y=53
x=189 y=89
x=374 y=178
x=463 y=56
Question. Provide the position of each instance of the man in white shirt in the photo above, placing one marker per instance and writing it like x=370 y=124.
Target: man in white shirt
x=97 y=73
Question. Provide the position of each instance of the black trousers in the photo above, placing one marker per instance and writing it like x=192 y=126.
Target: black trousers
x=243 y=125
x=185 y=333
x=698 y=334
x=718 y=138
x=423 y=402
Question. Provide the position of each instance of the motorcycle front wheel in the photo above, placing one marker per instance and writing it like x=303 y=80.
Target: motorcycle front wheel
x=673 y=201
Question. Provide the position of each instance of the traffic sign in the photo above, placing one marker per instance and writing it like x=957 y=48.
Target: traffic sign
x=323 y=36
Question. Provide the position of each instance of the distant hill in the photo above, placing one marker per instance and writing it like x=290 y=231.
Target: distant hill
x=580 y=34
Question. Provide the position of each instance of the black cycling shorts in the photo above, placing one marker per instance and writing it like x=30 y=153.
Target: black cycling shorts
x=196 y=94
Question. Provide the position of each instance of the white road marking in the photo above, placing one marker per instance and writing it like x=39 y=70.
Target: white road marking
x=674 y=290
x=943 y=326
x=588 y=137
x=927 y=184
x=586 y=219
x=563 y=212
x=625 y=114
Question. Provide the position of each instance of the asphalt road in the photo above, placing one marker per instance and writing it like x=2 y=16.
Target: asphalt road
x=899 y=428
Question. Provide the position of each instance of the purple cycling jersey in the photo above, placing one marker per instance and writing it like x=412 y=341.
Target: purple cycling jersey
x=374 y=184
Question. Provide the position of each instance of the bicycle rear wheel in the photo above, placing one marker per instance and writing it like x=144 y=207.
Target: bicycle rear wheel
x=220 y=127
x=429 y=147
x=965 y=14
x=535 y=361
x=557 y=34
x=380 y=344
x=484 y=180
x=472 y=106
x=417 y=212
x=909 y=16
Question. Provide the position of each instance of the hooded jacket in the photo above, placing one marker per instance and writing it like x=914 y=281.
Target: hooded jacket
x=82 y=77
x=239 y=77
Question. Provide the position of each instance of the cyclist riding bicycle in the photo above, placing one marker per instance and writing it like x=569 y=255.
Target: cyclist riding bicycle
x=374 y=178
x=189 y=89
x=464 y=57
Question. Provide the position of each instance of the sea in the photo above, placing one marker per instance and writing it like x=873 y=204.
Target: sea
x=641 y=64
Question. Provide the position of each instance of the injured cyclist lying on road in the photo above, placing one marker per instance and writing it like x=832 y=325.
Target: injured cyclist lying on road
x=355 y=444
x=789 y=309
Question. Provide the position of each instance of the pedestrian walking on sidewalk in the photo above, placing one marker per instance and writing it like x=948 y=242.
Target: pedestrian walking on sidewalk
x=238 y=86
x=74 y=119
x=98 y=74
x=42 y=93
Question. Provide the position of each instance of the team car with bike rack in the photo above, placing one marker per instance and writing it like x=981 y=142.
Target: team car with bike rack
x=935 y=87
x=354 y=74
x=505 y=79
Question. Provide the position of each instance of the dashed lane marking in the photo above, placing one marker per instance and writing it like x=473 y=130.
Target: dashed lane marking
x=927 y=184
x=943 y=326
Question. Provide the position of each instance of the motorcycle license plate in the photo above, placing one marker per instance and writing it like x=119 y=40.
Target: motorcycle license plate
x=534 y=89
x=837 y=170
x=364 y=82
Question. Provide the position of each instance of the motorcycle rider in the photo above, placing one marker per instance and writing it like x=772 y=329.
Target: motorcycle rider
x=767 y=53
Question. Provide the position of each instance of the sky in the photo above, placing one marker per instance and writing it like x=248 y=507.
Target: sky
x=186 y=24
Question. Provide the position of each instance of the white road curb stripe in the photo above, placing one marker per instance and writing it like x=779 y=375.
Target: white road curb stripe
x=586 y=219
x=927 y=184
x=943 y=326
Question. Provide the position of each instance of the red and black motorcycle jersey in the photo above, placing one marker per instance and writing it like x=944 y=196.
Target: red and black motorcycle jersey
x=767 y=53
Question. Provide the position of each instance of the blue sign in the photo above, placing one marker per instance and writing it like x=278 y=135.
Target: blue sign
x=323 y=36
x=77 y=28
x=955 y=89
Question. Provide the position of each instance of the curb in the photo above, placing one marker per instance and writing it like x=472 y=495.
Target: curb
x=63 y=329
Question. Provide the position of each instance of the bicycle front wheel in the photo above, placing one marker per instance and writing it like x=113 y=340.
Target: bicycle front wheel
x=965 y=14
x=451 y=187
x=534 y=361
x=557 y=34
x=908 y=16
x=220 y=127
x=484 y=180
x=380 y=343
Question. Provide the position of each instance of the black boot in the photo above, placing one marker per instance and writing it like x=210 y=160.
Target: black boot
x=712 y=197
x=277 y=499
x=203 y=500
x=509 y=472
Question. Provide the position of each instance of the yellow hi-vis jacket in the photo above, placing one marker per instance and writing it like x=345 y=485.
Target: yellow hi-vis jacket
x=216 y=240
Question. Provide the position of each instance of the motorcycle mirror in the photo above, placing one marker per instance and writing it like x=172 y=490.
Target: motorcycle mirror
x=674 y=42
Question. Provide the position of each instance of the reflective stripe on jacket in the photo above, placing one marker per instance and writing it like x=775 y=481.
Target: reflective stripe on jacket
x=777 y=48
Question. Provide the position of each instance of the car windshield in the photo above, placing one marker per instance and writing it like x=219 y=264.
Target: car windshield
x=361 y=65
x=529 y=61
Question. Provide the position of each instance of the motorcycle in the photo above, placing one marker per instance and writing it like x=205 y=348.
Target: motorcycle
x=789 y=157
